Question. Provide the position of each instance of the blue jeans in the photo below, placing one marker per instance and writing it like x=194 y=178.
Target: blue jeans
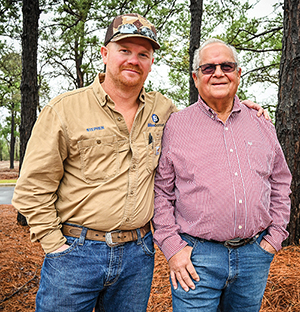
x=91 y=274
x=231 y=280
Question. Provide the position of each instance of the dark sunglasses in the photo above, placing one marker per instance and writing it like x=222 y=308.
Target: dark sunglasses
x=209 y=69
x=132 y=29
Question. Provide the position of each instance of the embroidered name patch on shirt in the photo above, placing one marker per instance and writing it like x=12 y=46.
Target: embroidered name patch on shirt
x=95 y=128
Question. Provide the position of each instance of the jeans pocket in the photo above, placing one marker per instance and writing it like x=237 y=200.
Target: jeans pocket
x=72 y=242
x=191 y=241
x=269 y=254
x=148 y=245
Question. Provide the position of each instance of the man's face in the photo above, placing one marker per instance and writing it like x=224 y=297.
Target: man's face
x=128 y=61
x=218 y=87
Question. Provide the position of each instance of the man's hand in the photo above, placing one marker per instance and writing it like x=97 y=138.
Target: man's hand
x=267 y=246
x=260 y=110
x=182 y=269
x=62 y=248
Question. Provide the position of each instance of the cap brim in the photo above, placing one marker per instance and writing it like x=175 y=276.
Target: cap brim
x=155 y=45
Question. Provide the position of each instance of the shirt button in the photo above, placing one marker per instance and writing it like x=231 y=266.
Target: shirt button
x=226 y=128
x=240 y=201
x=131 y=192
x=98 y=141
x=119 y=118
x=134 y=166
x=236 y=174
x=231 y=150
x=240 y=227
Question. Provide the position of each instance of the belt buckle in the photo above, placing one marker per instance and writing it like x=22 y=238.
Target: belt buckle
x=234 y=243
x=108 y=238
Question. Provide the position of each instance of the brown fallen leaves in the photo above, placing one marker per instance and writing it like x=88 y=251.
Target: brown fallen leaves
x=6 y=173
x=21 y=261
x=20 y=264
x=283 y=286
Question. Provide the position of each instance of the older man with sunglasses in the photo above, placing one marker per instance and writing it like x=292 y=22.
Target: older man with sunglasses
x=86 y=185
x=221 y=193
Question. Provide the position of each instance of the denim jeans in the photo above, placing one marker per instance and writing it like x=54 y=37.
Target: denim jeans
x=231 y=280
x=91 y=274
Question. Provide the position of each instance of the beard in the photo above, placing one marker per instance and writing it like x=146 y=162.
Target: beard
x=123 y=81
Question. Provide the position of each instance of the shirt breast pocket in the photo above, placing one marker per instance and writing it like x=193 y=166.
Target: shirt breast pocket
x=99 y=158
x=153 y=148
x=260 y=157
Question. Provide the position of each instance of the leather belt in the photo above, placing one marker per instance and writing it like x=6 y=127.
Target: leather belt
x=238 y=242
x=112 y=238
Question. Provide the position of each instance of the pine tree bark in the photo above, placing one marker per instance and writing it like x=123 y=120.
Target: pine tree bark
x=196 y=10
x=29 y=85
x=12 y=138
x=288 y=109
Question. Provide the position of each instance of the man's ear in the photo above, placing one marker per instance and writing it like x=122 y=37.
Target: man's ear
x=195 y=80
x=239 y=73
x=151 y=65
x=104 y=53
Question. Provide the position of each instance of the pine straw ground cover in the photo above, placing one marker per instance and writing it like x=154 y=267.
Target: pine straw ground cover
x=21 y=260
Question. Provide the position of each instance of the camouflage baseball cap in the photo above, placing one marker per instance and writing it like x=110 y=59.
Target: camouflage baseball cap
x=131 y=25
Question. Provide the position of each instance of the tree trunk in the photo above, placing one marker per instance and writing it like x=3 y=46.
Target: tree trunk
x=29 y=85
x=12 y=138
x=196 y=10
x=288 y=109
x=78 y=62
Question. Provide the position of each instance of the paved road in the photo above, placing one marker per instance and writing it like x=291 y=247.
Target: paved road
x=6 y=194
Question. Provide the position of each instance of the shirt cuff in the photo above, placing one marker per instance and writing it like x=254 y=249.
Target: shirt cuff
x=172 y=245
x=52 y=241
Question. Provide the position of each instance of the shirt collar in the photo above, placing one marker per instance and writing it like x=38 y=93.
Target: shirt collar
x=236 y=106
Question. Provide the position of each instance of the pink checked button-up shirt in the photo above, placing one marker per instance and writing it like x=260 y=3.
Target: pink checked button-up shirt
x=220 y=181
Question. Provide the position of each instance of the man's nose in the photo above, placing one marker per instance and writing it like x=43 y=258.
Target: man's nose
x=133 y=59
x=218 y=72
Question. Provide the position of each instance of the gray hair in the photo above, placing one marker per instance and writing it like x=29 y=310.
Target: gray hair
x=197 y=59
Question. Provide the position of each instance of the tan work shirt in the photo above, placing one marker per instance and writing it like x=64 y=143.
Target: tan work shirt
x=83 y=166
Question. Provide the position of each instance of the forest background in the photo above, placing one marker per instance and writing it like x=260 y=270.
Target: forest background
x=72 y=32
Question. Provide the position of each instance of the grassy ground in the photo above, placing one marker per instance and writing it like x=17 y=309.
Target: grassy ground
x=8 y=181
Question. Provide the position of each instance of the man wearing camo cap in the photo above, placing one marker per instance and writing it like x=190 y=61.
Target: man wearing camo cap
x=86 y=185
x=131 y=25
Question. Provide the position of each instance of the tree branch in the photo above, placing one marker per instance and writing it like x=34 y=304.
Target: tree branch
x=259 y=68
x=14 y=293
x=258 y=51
x=273 y=30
